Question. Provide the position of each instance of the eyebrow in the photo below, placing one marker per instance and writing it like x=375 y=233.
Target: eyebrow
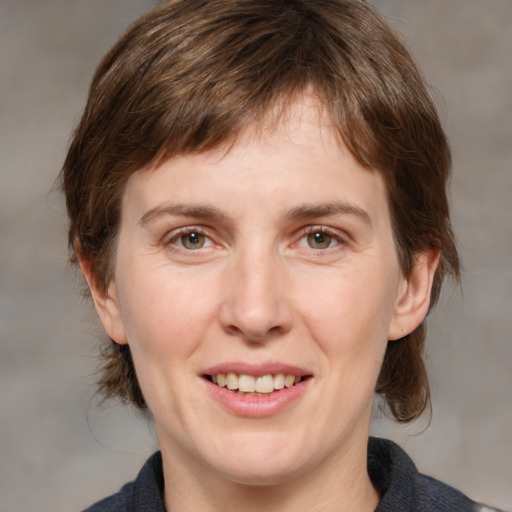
x=311 y=211
x=302 y=212
x=199 y=212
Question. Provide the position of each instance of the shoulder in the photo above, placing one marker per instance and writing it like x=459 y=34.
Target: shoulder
x=109 y=504
x=144 y=494
x=404 y=489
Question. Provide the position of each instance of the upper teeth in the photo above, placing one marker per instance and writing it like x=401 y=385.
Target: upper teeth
x=250 y=384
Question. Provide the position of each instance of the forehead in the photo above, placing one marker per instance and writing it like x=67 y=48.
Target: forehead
x=294 y=156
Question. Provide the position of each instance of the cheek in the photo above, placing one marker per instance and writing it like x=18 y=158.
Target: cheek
x=348 y=315
x=341 y=301
x=164 y=315
x=166 y=322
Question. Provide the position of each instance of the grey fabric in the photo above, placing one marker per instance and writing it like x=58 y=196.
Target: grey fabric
x=145 y=494
x=402 y=487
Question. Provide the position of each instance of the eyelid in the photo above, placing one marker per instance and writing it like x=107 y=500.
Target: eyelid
x=340 y=236
x=172 y=236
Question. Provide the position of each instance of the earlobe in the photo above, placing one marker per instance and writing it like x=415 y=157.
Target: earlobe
x=414 y=296
x=106 y=303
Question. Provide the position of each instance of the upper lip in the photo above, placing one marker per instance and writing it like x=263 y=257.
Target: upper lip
x=256 y=369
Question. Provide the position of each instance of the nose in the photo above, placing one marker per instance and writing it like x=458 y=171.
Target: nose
x=255 y=307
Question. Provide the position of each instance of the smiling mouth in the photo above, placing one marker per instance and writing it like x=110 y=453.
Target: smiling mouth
x=249 y=385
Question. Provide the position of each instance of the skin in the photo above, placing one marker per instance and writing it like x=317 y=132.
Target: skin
x=255 y=285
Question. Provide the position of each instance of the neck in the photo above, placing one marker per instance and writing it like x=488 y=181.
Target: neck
x=333 y=486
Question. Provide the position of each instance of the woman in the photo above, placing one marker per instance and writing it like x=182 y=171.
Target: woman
x=256 y=195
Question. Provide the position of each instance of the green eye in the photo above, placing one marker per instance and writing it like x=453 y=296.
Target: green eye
x=193 y=241
x=319 y=240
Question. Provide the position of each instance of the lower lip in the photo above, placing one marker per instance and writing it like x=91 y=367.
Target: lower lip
x=257 y=406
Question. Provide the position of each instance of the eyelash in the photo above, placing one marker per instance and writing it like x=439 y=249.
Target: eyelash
x=173 y=238
x=313 y=230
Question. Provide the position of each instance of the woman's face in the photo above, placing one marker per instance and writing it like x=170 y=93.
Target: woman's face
x=263 y=264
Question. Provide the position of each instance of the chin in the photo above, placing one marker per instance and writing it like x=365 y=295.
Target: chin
x=262 y=460
x=259 y=475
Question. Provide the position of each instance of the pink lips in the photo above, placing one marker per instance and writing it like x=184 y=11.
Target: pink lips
x=256 y=406
x=256 y=370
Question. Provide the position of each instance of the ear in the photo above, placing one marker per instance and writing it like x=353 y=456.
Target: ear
x=414 y=296
x=105 y=302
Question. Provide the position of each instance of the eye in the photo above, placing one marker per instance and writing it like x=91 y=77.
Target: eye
x=320 y=240
x=189 y=239
x=192 y=241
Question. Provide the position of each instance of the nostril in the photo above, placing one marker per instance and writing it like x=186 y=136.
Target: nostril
x=232 y=330
x=256 y=335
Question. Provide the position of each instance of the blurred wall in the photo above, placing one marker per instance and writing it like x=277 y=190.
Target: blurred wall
x=58 y=450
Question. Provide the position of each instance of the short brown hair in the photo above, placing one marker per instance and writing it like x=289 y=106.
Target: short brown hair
x=191 y=74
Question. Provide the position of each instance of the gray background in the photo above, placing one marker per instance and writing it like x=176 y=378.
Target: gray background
x=58 y=450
